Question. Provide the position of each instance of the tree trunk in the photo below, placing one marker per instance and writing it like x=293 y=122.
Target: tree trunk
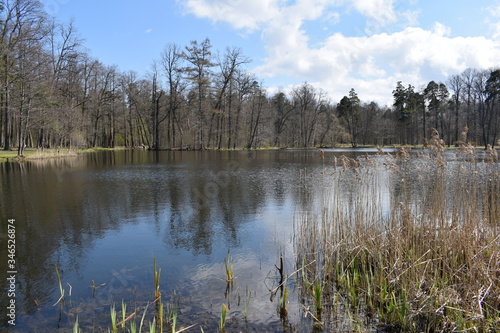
x=6 y=105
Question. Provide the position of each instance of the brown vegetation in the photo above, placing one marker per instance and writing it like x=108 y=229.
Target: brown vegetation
x=419 y=266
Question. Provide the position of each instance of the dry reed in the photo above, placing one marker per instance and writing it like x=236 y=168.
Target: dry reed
x=423 y=256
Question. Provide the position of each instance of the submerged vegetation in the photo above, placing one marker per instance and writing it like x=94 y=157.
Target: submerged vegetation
x=419 y=266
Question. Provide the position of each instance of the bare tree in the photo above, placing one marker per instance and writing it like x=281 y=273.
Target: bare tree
x=244 y=87
x=199 y=73
x=481 y=108
x=468 y=97
x=156 y=94
x=228 y=65
x=28 y=86
x=65 y=46
x=172 y=62
x=309 y=105
x=257 y=103
x=129 y=87
x=23 y=21
x=456 y=86
x=283 y=109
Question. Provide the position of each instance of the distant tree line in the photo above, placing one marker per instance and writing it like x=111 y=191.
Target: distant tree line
x=53 y=94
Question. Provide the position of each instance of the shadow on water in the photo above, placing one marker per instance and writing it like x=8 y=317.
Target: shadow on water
x=104 y=215
x=102 y=218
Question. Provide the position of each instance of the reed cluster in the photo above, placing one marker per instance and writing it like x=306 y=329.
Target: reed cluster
x=422 y=255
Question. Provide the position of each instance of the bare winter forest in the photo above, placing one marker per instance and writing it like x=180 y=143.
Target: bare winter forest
x=54 y=94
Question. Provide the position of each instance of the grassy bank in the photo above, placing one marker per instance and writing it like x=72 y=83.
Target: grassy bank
x=417 y=266
x=32 y=153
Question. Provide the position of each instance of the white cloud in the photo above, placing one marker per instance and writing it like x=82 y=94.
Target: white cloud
x=494 y=11
x=333 y=17
x=493 y=21
x=241 y=14
x=372 y=64
x=441 y=30
x=496 y=30
x=378 y=12
x=409 y=17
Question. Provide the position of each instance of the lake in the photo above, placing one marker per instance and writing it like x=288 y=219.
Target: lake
x=103 y=218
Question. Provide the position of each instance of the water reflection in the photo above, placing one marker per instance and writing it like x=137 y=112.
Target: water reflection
x=104 y=216
x=100 y=214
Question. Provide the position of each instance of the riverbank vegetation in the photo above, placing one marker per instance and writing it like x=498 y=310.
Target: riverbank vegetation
x=55 y=95
x=34 y=154
x=404 y=264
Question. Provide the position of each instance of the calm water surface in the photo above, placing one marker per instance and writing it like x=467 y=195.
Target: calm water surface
x=103 y=217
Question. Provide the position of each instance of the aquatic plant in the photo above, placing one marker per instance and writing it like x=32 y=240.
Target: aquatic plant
x=228 y=263
x=124 y=315
x=420 y=265
x=172 y=317
x=317 y=292
x=158 y=303
x=143 y=316
x=114 y=326
x=283 y=303
x=247 y=303
x=61 y=289
x=157 y=272
x=76 y=329
x=133 y=327
x=152 y=326
x=222 y=320
x=160 y=317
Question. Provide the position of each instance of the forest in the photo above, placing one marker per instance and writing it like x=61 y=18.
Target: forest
x=53 y=94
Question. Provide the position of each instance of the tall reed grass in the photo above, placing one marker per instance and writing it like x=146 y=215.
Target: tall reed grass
x=421 y=256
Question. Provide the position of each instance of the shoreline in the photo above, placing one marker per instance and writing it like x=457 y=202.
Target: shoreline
x=37 y=154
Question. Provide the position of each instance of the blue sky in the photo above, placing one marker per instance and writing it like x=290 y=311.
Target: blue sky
x=335 y=45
